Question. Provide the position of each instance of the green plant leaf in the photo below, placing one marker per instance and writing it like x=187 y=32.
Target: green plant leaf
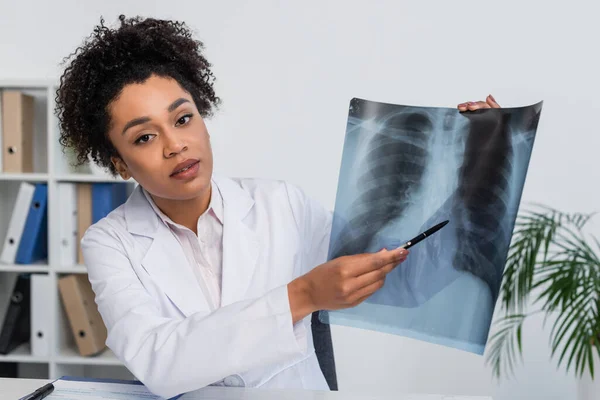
x=591 y=360
x=503 y=341
x=549 y=255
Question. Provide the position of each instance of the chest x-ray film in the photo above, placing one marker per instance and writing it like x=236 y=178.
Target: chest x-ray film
x=404 y=169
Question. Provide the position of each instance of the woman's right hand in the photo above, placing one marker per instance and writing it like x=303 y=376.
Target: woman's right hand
x=489 y=102
x=343 y=282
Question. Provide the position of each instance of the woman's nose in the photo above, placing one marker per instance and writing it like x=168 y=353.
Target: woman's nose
x=174 y=144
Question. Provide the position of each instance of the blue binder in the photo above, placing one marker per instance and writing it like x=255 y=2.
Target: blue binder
x=33 y=245
x=105 y=198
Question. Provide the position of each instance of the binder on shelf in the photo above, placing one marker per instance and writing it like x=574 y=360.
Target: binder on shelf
x=16 y=224
x=84 y=319
x=17 y=131
x=41 y=315
x=7 y=285
x=16 y=327
x=84 y=214
x=33 y=245
x=67 y=215
x=105 y=198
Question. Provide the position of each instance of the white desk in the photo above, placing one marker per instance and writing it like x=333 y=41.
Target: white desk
x=13 y=389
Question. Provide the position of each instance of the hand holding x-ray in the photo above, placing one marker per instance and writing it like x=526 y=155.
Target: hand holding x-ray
x=489 y=102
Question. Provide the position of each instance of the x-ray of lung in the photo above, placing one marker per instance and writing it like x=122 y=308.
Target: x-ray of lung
x=405 y=169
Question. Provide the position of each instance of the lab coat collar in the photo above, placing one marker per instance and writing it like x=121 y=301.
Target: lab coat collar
x=165 y=260
x=137 y=217
x=240 y=242
x=215 y=207
x=236 y=201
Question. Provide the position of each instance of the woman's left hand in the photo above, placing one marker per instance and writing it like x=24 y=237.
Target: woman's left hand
x=489 y=102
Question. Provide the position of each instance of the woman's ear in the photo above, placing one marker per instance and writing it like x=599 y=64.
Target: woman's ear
x=121 y=167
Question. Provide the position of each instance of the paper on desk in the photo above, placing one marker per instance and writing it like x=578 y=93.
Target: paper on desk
x=90 y=390
x=236 y=393
x=405 y=169
x=86 y=390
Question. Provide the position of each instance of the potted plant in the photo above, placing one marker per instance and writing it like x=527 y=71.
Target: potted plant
x=553 y=268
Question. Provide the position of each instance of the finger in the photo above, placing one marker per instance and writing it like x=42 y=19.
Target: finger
x=365 y=292
x=476 y=105
x=389 y=267
x=372 y=276
x=492 y=102
x=392 y=256
x=373 y=261
x=462 y=107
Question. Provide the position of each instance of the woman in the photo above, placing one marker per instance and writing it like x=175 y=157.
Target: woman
x=199 y=279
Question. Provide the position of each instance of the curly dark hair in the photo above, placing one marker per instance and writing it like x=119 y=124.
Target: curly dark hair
x=112 y=58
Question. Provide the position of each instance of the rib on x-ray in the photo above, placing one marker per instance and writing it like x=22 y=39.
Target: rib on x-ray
x=404 y=169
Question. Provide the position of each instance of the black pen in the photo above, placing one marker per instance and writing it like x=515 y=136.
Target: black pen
x=423 y=235
x=40 y=393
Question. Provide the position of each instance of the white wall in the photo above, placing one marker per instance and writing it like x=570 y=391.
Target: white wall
x=286 y=71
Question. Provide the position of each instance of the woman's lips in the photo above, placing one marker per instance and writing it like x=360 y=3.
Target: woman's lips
x=187 y=170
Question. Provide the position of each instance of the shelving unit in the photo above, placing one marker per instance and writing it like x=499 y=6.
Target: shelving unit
x=51 y=166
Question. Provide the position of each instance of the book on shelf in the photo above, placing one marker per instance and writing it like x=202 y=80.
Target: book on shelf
x=33 y=245
x=17 y=131
x=16 y=323
x=26 y=239
x=85 y=321
x=41 y=315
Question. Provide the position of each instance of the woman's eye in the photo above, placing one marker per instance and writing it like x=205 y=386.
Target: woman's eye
x=143 y=139
x=184 y=119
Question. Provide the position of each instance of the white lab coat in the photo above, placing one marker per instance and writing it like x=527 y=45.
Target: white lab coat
x=159 y=322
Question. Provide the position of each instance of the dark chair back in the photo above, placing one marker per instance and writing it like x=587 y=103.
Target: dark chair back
x=324 y=349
